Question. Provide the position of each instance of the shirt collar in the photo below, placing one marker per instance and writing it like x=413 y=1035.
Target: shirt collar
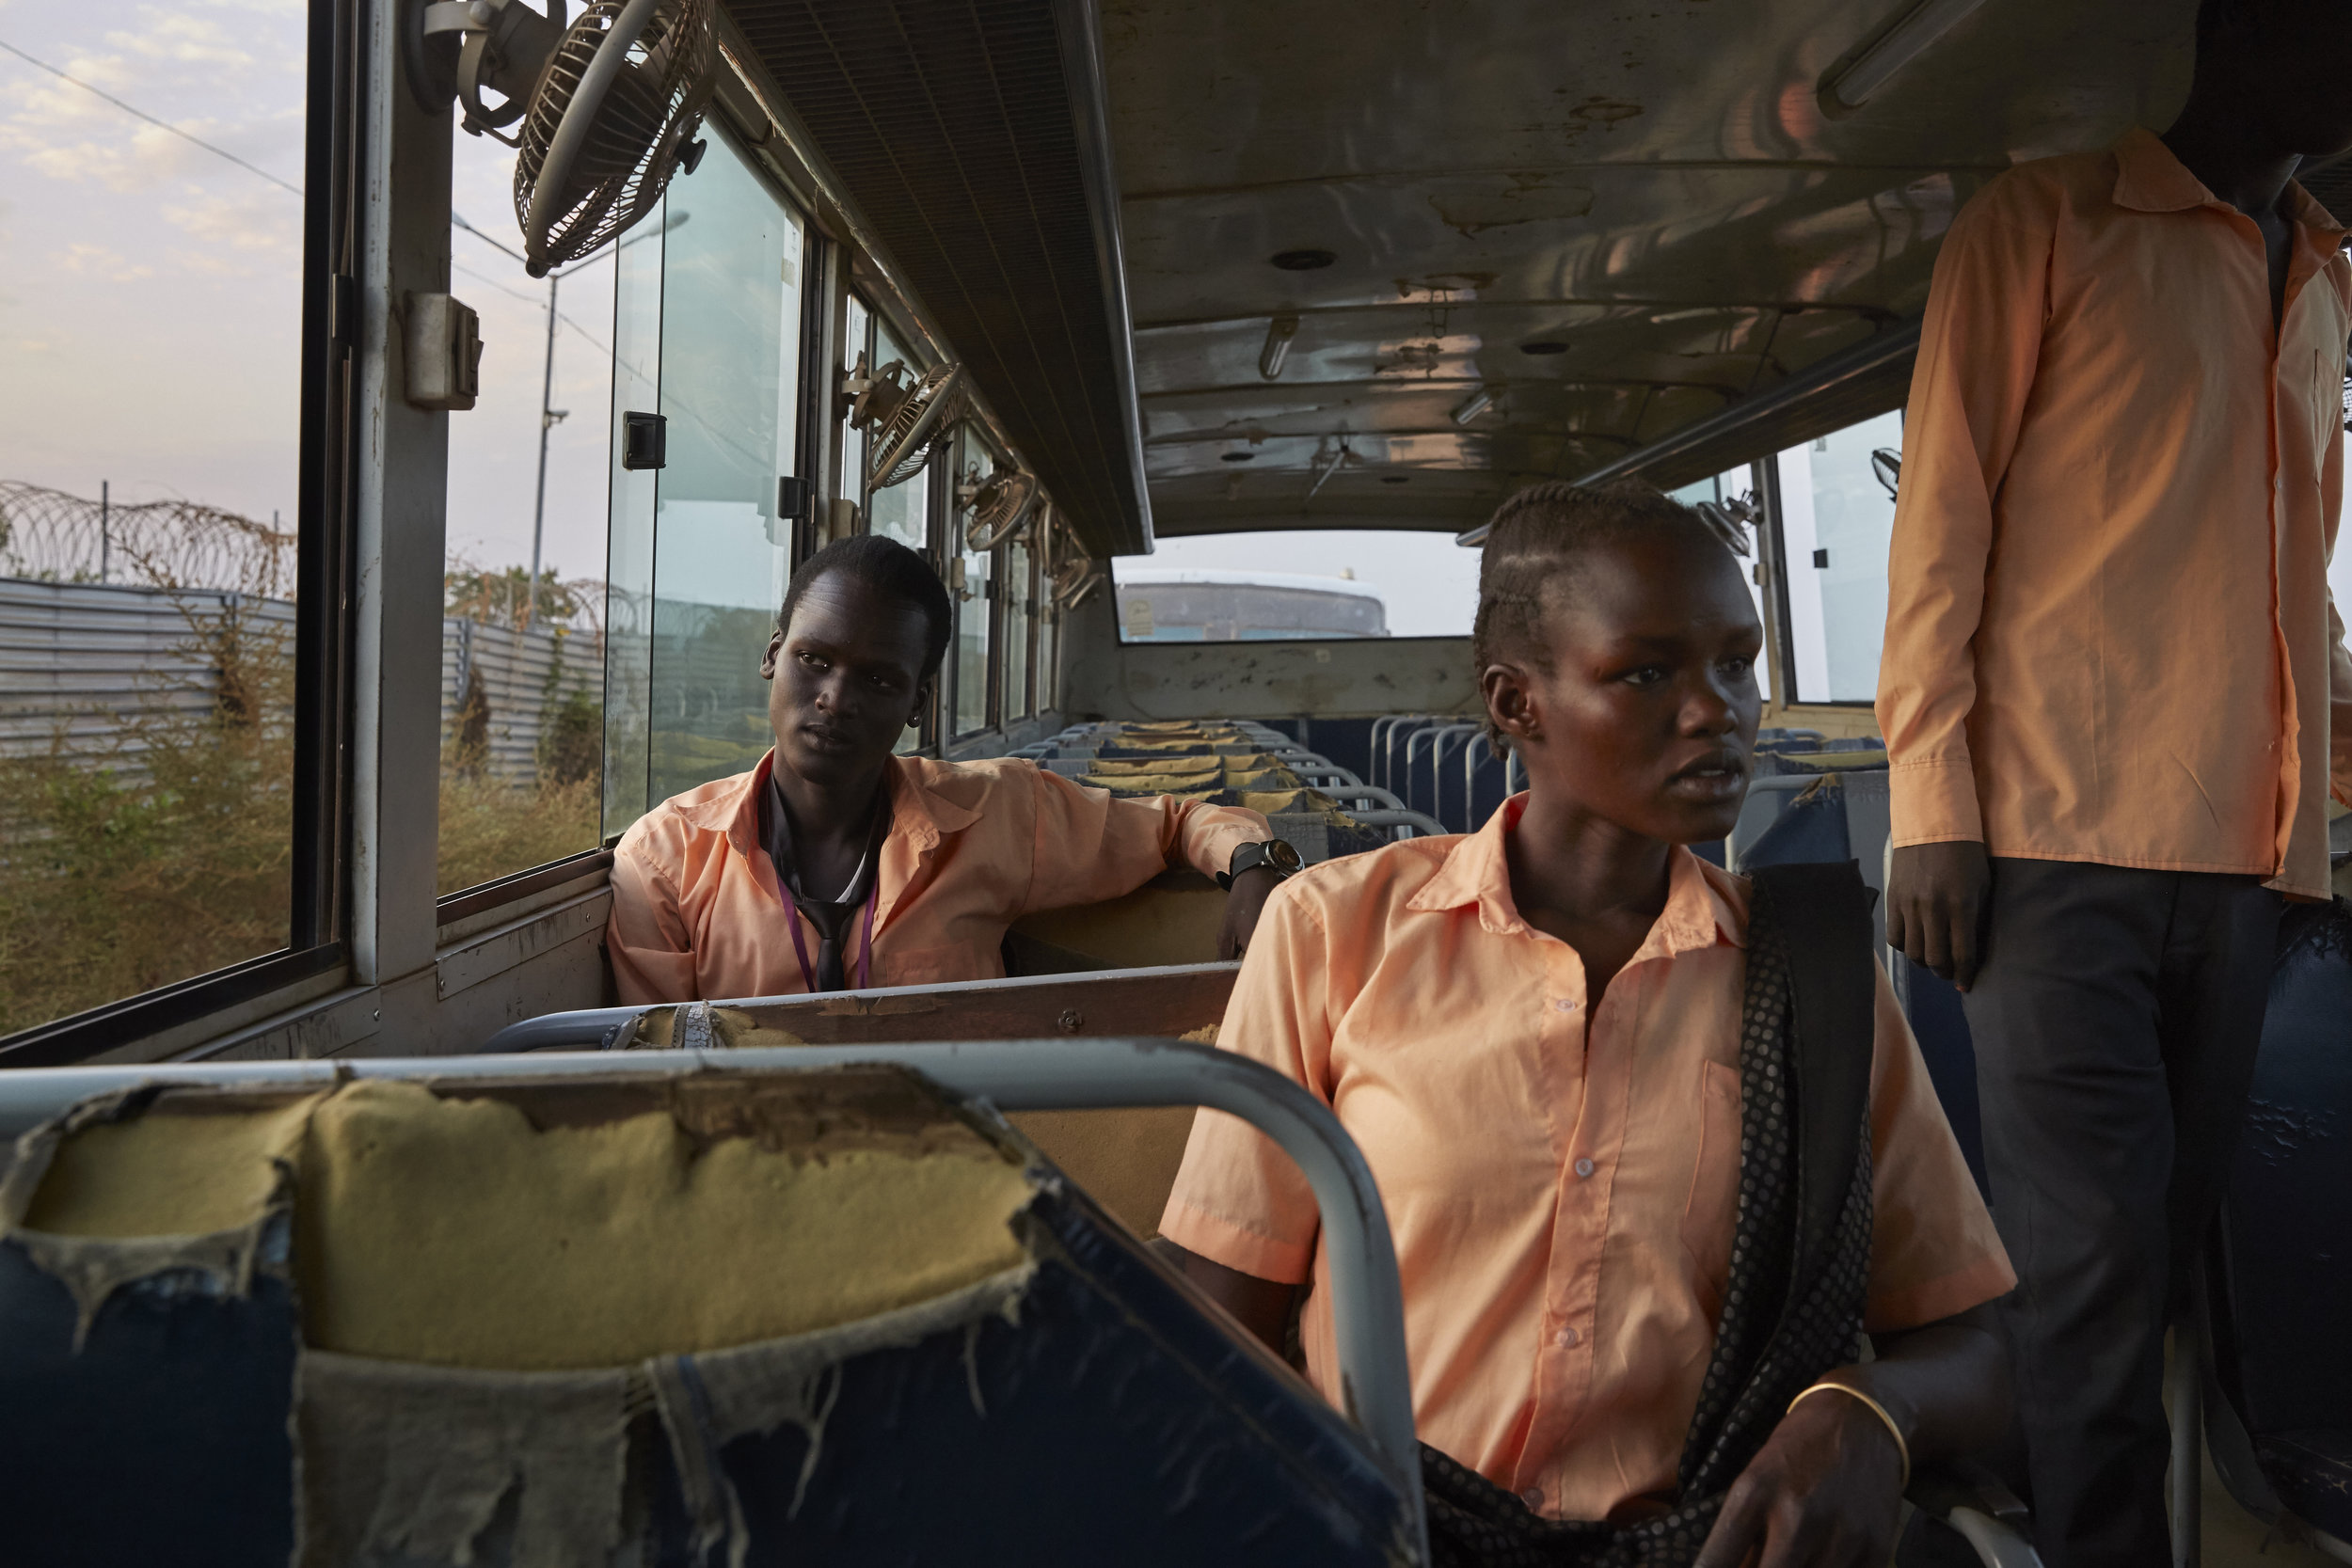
x=2148 y=179
x=919 y=813
x=1477 y=871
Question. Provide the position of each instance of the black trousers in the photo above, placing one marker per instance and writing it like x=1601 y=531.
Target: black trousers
x=2115 y=1023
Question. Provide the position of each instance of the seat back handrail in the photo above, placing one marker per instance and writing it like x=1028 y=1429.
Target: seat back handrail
x=1367 y=1300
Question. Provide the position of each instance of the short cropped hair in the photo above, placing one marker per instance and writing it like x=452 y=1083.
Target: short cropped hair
x=1538 y=536
x=890 y=569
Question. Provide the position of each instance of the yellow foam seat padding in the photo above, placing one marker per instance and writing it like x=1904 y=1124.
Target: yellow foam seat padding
x=1291 y=801
x=1264 y=778
x=455 y=1232
x=1173 y=767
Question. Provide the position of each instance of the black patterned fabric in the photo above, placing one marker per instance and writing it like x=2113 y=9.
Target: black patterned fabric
x=1800 y=1249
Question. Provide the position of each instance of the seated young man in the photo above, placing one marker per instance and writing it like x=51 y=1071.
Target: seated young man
x=835 y=864
x=1536 y=1034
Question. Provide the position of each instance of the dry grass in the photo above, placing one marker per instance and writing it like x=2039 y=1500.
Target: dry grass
x=167 y=852
x=491 y=829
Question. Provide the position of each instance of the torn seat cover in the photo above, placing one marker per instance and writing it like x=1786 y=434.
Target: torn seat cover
x=780 y=1317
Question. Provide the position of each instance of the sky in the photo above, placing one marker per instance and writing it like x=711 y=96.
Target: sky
x=150 y=290
x=1429 y=583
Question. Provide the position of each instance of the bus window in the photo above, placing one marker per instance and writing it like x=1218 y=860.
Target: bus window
x=522 y=667
x=1298 y=586
x=148 y=503
x=1738 y=484
x=903 y=512
x=729 y=325
x=969 y=577
x=1835 y=520
x=1019 y=587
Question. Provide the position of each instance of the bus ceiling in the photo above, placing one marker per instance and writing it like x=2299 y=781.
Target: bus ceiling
x=1386 y=264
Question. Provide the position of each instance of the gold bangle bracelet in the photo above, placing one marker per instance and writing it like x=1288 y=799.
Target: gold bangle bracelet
x=1901 y=1447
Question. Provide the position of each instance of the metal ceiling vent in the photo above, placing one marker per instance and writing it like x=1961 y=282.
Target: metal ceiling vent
x=974 y=140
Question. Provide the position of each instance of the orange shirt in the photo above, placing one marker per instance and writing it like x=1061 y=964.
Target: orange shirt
x=2108 y=631
x=1561 y=1186
x=697 y=911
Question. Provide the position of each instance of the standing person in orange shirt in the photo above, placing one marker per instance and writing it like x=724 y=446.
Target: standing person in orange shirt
x=2116 y=697
x=835 y=863
x=1550 y=1040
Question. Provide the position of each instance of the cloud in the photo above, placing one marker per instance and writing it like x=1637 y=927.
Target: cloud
x=97 y=261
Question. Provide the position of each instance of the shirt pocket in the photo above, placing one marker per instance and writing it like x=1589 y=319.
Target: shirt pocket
x=1712 y=1209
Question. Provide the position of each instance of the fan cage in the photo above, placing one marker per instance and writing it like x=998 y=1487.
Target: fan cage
x=652 y=108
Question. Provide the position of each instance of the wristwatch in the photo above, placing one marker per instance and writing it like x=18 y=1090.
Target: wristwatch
x=1275 y=854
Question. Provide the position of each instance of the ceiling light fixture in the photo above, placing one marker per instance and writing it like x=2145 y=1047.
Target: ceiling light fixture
x=1475 y=404
x=1302 y=261
x=1863 y=70
x=1237 y=457
x=1278 y=333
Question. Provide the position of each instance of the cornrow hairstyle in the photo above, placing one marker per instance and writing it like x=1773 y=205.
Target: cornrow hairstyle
x=890 y=569
x=1538 y=536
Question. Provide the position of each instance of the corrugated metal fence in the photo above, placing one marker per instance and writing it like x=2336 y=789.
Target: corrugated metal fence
x=81 y=662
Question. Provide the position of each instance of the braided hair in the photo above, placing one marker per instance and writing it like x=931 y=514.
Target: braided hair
x=1535 y=541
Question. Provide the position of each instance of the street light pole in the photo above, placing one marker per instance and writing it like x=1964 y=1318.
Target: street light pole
x=549 y=417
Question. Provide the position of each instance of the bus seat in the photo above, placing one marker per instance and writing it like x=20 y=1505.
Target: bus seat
x=1172 y=918
x=831 y=1316
x=2278 y=1385
x=1126 y=1158
x=1845 y=816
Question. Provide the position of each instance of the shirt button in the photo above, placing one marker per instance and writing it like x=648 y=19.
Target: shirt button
x=1564 y=1004
x=1567 y=1336
x=1533 y=1497
x=1585 y=1168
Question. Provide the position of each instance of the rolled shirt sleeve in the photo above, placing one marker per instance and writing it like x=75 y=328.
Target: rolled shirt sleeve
x=1092 y=846
x=1978 y=347
x=1238 y=1199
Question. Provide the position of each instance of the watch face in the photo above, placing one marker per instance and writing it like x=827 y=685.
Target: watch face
x=1282 y=855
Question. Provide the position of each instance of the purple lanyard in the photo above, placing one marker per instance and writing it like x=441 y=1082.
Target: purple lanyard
x=865 y=959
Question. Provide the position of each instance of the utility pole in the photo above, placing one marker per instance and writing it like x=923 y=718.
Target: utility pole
x=549 y=416
x=105 y=507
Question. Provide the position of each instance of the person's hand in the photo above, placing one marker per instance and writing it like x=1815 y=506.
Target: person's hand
x=1243 y=902
x=1936 y=899
x=1825 y=1492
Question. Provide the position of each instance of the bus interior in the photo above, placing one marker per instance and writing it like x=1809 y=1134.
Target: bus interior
x=378 y=543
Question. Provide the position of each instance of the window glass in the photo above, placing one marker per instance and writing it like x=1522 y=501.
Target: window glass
x=1836 y=521
x=729 y=322
x=968 y=583
x=522 y=668
x=151 y=390
x=1017 y=591
x=903 y=511
x=1738 y=484
x=1297 y=584
x=857 y=338
x=1048 y=620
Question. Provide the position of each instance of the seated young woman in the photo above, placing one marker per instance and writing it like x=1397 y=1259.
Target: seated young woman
x=1536 y=1035
x=835 y=864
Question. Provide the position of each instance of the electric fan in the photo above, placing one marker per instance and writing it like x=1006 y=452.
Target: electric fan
x=609 y=105
x=900 y=417
x=1729 y=520
x=1076 y=581
x=1886 y=466
x=999 y=505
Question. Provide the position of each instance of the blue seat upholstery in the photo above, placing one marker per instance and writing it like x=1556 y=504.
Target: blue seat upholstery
x=2280 y=1269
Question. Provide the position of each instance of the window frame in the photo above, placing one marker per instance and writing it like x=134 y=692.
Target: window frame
x=318 y=906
